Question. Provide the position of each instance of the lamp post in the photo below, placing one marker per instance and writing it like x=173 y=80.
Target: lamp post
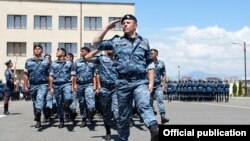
x=178 y=72
x=245 y=64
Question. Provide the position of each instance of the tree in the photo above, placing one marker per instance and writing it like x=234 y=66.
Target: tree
x=240 y=88
x=234 y=90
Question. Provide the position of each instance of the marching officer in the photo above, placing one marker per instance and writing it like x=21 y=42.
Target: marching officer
x=60 y=83
x=9 y=86
x=36 y=75
x=106 y=78
x=159 y=84
x=132 y=60
x=86 y=84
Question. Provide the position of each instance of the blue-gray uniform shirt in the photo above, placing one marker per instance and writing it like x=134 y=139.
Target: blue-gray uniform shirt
x=9 y=80
x=131 y=58
x=160 y=71
x=105 y=69
x=37 y=70
x=62 y=71
x=84 y=71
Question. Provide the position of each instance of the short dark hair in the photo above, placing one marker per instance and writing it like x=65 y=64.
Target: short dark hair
x=47 y=55
x=71 y=55
x=155 y=50
x=86 y=48
x=38 y=45
x=62 y=49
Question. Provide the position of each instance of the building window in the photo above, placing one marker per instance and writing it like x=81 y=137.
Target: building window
x=70 y=47
x=16 y=49
x=16 y=21
x=47 y=48
x=87 y=45
x=42 y=22
x=67 y=22
x=118 y=25
x=92 y=23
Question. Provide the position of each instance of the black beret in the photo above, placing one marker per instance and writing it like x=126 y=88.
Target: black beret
x=130 y=17
x=86 y=48
x=63 y=49
x=8 y=62
x=38 y=45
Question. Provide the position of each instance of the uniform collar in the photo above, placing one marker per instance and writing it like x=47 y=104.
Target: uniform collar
x=137 y=36
x=40 y=58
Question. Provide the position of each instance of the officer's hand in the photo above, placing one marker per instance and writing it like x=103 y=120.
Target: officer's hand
x=164 y=89
x=26 y=89
x=98 y=91
x=151 y=87
x=73 y=88
x=112 y=24
x=51 y=90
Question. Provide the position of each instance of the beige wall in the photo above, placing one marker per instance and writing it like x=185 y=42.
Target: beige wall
x=54 y=9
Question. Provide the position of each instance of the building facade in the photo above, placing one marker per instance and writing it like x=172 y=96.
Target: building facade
x=53 y=24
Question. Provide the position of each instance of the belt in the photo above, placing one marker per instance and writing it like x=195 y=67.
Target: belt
x=60 y=83
x=108 y=86
x=83 y=83
x=131 y=77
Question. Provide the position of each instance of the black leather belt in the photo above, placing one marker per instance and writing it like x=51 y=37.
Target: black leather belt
x=108 y=86
x=131 y=77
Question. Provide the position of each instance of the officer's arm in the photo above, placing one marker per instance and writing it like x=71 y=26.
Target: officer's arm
x=8 y=78
x=51 y=79
x=104 y=45
x=25 y=79
x=164 y=78
x=151 y=77
x=101 y=35
x=94 y=82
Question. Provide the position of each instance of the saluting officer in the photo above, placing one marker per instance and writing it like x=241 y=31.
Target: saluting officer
x=36 y=76
x=132 y=60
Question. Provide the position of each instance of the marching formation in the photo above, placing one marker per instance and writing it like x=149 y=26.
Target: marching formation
x=120 y=75
x=201 y=90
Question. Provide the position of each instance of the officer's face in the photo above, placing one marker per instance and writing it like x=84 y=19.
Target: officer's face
x=154 y=54
x=38 y=51
x=10 y=65
x=48 y=57
x=60 y=53
x=69 y=58
x=84 y=52
x=129 y=26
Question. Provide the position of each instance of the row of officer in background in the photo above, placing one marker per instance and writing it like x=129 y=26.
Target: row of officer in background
x=200 y=90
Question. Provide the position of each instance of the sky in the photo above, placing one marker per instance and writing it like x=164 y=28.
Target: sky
x=196 y=35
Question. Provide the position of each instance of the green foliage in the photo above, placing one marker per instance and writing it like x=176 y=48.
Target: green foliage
x=234 y=90
x=240 y=88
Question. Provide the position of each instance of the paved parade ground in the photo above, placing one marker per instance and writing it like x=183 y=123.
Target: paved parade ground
x=19 y=126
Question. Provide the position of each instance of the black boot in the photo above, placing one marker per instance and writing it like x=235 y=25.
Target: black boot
x=91 y=113
x=73 y=115
x=154 y=131
x=61 y=123
x=84 y=123
x=108 y=133
x=6 y=107
x=38 y=119
x=163 y=118
x=131 y=124
x=38 y=124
